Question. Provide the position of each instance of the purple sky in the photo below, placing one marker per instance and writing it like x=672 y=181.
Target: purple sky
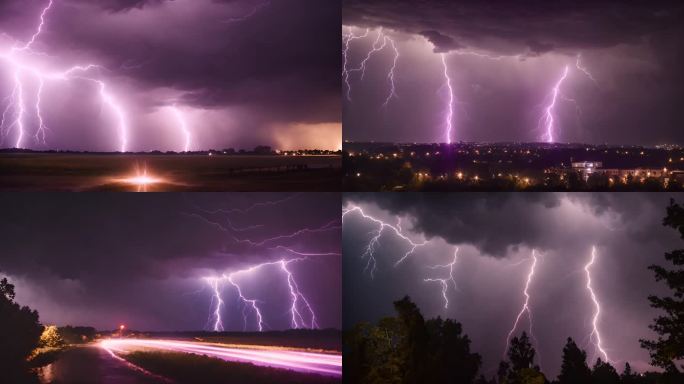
x=241 y=72
x=496 y=234
x=106 y=259
x=633 y=52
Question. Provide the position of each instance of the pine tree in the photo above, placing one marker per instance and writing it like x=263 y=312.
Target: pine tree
x=574 y=369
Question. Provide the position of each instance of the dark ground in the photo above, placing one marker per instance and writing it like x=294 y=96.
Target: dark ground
x=96 y=172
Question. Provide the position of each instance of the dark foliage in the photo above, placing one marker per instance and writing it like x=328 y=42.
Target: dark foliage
x=408 y=349
x=19 y=333
x=669 y=347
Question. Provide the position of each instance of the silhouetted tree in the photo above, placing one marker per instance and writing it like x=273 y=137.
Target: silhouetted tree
x=413 y=346
x=521 y=353
x=449 y=350
x=604 y=373
x=407 y=349
x=19 y=332
x=574 y=369
x=519 y=369
x=670 y=327
x=628 y=377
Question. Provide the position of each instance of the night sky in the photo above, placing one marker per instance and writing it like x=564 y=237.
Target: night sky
x=242 y=72
x=139 y=259
x=504 y=58
x=495 y=234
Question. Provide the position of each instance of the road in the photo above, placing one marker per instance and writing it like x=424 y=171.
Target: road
x=93 y=365
x=307 y=362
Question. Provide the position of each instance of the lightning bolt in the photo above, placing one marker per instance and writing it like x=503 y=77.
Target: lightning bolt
x=301 y=311
x=14 y=58
x=547 y=119
x=381 y=41
x=444 y=282
x=578 y=65
x=450 y=110
x=525 y=307
x=348 y=38
x=218 y=323
x=595 y=336
x=183 y=126
x=390 y=74
x=369 y=253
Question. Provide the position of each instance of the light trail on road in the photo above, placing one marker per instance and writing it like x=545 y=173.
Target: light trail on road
x=307 y=362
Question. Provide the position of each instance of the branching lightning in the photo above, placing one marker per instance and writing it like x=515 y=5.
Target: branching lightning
x=19 y=60
x=525 y=307
x=580 y=67
x=381 y=41
x=301 y=311
x=373 y=243
x=444 y=282
x=20 y=66
x=595 y=336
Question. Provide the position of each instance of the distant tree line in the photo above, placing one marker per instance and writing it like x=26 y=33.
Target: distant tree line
x=407 y=349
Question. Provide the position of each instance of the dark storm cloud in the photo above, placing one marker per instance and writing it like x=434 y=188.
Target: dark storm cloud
x=278 y=59
x=123 y=5
x=536 y=25
x=441 y=42
x=496 y=234
x=250 y=71
x=489 y=221
x=103 y=248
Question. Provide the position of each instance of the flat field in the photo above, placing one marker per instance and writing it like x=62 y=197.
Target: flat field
x=164 y=172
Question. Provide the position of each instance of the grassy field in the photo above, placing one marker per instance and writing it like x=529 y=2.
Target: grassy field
x=188 y=368
x=104 y=172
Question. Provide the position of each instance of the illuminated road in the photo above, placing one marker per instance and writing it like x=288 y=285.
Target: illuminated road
x=307 y=362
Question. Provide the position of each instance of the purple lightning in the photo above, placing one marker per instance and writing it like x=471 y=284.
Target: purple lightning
x=348 y=38
x=526 y=305
x=16 y=101
x=444 y=282
x=547 y=119
x=183 y=126
x=381 y=41
x=595 y=336
x=390 y=75
x=450 y=114
x=375 y=239
x=301 y=311
x=218 y=323
x=578 y=65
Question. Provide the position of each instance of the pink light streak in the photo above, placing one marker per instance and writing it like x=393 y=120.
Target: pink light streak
x=308 y=362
